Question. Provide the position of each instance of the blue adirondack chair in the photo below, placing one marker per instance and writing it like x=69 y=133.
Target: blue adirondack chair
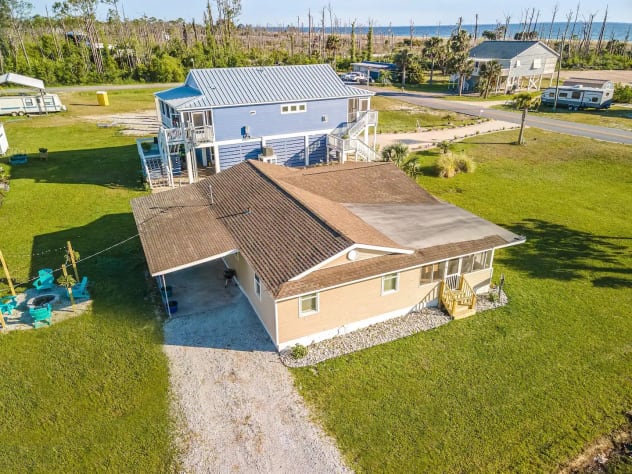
x=41 y=315
x=80 y=290
x=7 y=305
x=45 y=280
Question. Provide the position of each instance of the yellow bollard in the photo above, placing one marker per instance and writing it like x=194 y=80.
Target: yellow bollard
x=102 y=98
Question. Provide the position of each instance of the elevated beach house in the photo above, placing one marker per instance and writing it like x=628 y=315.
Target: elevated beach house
x=288 y=115
x=324 y=250
x=524 y=64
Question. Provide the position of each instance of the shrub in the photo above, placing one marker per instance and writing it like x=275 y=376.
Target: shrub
x=446 y=166
x=465 y=164
x=298 y=351
x=622 y=94
x=396 y=152
x=492 y=296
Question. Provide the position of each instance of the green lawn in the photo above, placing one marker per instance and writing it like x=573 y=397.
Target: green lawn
x=523 y=388
x=397 y=116
x=89 y=394
x=615 y=117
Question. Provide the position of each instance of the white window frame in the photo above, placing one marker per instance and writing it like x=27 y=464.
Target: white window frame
x=257 y=285
x=537 y=63
x=389 y=277
x=310 y=296
x=297 y=108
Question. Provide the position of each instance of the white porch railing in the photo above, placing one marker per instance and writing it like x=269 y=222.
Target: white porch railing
x=347 y=146
x=367 y=119
x=199 y=135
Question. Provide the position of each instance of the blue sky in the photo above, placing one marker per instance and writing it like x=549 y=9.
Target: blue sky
x=382 y=12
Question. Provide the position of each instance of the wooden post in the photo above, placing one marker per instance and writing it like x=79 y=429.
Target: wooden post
x=6 y=274
x=71 y=253
x=69 y=288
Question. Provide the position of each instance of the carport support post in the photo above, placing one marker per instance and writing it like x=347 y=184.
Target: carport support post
x=164 y=289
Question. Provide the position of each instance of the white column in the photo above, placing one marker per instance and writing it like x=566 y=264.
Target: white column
x=190 y=157
x=216 y=155
x=306 y=150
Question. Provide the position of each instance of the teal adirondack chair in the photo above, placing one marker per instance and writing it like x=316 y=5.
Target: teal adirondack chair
x=80 y=290
x=41 y=315
x=45 y=280
x=7 y=305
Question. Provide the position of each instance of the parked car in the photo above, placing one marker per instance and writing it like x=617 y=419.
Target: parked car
x=353 y=76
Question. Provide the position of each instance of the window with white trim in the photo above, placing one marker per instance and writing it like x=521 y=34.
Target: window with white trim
x=482 y=260
x=258 y=286
x=432 y=272
x=308 y=304
x=293 y=108
x=390 y=283
x=537 y=63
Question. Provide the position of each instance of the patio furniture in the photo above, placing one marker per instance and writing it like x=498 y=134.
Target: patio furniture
x=80 y=290
x=41 y=315
x=7 y=305
x=45 y=280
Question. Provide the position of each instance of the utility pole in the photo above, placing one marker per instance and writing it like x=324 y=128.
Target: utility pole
x=559 y=68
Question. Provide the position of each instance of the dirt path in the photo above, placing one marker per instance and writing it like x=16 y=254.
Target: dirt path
x=240 y=411
x=428 y=139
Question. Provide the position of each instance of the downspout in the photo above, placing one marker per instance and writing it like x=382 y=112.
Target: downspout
x=164 y=289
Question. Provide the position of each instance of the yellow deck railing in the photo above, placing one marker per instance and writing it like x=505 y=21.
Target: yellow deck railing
x=462 y=296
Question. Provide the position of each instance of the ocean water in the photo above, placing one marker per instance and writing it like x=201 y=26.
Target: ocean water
x=618 y=31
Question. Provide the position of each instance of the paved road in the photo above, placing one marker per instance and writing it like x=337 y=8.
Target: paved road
x=561 y=126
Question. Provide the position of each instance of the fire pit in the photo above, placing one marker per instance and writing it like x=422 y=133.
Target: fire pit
x=41 y=301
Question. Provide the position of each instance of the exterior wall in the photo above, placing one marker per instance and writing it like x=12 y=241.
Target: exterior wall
x=526 y=59
x=354 y=303
x=264 y=307
x=317 y=149
x=361 y=304
x=230 y=155
x=268 y=119
x=289 y=151
x=361 y=253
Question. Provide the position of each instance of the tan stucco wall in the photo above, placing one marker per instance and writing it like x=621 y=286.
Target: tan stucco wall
x=363 y=300
x=362 y=254
x=480 y=280
x=264 y=307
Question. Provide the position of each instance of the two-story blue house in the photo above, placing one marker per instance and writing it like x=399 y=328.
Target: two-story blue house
x=289 y=115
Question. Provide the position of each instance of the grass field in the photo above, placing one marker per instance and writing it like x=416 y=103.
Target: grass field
x=523 y=388
x=89 y=394
x=615 y=117
x=400 y=117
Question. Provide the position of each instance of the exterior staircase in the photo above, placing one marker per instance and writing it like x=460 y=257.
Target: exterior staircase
x=457 y=297
x=346 y=145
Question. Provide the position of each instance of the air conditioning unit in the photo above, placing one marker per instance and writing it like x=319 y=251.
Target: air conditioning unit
x=268 y=159
x=267 y=151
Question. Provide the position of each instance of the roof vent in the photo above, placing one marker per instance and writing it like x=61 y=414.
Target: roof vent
x=352 y=255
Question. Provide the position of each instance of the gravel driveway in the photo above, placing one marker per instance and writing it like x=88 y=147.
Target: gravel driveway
x=238 y=407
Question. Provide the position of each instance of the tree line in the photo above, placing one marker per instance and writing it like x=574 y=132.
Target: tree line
x=70 y=46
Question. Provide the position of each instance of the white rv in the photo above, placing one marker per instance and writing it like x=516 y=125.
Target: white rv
x=578 y=93
x=23 y=104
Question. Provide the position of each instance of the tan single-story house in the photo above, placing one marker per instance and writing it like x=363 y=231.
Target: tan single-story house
x=324 y=250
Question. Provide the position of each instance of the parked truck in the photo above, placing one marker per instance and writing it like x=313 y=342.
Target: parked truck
x=23 y=104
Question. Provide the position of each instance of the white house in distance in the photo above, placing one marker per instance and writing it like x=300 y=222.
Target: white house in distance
x=524 y=64
x=324 y=250
x=290 y=115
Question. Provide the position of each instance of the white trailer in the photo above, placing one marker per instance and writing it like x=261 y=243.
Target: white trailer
x=4 y=143
x=578 y=97
x=23 y=104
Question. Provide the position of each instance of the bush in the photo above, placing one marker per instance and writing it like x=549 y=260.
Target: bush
x=465 y=164
x=446 y=166
x=298 y=351
x=396 y=152
x=622 y=94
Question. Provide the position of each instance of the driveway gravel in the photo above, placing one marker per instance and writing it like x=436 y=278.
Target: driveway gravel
x=236 y=402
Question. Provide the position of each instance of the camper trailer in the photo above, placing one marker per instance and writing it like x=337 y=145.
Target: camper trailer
x=23 y=104
x=579 y=93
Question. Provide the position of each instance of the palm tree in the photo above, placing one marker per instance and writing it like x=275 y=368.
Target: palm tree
x=489 y=73
x=525 y=101
x=403 y=58
x=432 y=49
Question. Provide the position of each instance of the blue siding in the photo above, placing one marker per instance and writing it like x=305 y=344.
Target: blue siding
x=268 y=120
x=317 y=149
x=230 y=155
x=289 y=151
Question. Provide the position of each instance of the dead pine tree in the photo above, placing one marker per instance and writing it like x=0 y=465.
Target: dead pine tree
x=603 y=29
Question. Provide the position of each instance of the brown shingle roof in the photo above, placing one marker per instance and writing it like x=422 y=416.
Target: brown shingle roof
x=332 y=276
x=178 y=227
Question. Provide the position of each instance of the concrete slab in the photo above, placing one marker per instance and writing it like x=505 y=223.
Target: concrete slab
x=426 y=225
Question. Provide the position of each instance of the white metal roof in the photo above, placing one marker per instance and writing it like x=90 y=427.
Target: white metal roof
x=221 y=87
x=13 y=78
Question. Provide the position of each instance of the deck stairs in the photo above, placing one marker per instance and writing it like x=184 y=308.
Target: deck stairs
x=345 y=144
x=457 y=297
